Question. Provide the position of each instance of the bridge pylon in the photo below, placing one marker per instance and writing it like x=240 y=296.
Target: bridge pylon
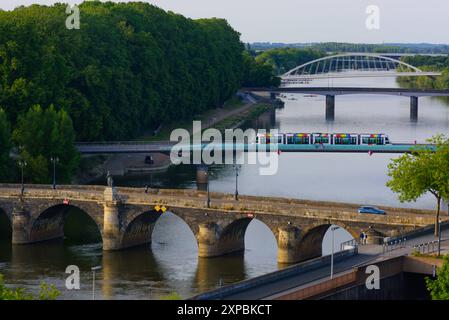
x=20 y=225
x=414 y=109
x=330 y=108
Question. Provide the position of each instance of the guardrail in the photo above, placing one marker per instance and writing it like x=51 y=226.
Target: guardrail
x=350 y=244
x=393 y=241
x=428 y=247
x=393 y=245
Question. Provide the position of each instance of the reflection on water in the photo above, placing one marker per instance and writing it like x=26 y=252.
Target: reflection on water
x=171 y=264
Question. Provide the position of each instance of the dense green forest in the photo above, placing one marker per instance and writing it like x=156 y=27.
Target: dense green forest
x=129 y=68
x=427 y=63
x=285 y=59
x=359 y=47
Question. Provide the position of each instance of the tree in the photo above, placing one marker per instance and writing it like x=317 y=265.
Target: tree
x=46 y=292
x=5 y=145
x=439 y=288
x=258 y=74
x=422 y=171
x=130 y=68
x=41 y=135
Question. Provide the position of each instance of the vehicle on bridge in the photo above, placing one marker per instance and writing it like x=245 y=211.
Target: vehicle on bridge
x=323 y=138
x=371 y=210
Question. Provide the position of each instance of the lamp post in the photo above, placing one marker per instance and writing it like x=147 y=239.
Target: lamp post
x=439 y=237
x=237 y=169
x=22 y=165
x=94 y=269
x=207 y=174
x=54 y=160
x=332 y=251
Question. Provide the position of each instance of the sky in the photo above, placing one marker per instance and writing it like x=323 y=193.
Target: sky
x=292 y=21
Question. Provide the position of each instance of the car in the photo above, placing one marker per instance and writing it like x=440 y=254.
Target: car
x=372 y=210
x=149 y=160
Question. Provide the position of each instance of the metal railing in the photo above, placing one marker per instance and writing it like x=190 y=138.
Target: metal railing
x=353 y=243
x=427 y=247
x=389 y=246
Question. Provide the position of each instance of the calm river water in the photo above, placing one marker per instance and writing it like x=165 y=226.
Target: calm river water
x=171 y=263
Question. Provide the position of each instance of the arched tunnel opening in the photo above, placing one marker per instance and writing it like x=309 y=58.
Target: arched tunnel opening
x=5 y=227
x=69 y=222
x=80 y=228
x=5 y=236
x=173 y=241
x=341 y=235
x=260 y=249
x=318 y=241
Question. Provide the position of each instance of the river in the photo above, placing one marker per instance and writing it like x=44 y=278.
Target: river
x=171 y=263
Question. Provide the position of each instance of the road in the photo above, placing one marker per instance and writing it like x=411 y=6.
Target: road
x=371 y=254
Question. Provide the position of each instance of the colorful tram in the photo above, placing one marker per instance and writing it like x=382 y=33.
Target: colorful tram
x=324 y=138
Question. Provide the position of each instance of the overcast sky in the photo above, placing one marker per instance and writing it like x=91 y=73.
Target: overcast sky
x=312 y=20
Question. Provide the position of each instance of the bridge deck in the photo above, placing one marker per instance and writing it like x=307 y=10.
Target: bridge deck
x=266 y=206
x=147 y=147
x=354 y=90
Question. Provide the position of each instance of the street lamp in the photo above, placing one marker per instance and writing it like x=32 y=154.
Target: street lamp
x=237 y=169
x=22 y=165
x=439 y=237
x=207 y=174
x=54 y=160
x=332 y=250
x=94 y=269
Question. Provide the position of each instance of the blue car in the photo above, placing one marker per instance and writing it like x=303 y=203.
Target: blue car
x=372 y=210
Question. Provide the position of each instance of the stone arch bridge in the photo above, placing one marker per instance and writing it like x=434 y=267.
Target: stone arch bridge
x=126 y=217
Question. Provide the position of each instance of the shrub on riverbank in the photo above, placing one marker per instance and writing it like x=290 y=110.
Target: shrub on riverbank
x=46 y=292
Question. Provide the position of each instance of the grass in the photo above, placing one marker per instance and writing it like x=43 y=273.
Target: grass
x=427 y=255
x=235 y=120
x=172 y=296
x=166 y=130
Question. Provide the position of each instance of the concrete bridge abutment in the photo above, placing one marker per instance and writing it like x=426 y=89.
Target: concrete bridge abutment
x=212 y=241
x=413 y=109
x=21 y=226
x=288 y=242
x=330 y=108
x=111 y=227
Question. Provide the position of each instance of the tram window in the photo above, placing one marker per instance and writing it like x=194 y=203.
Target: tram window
x=320 y=139
x=301 y=139
x=345 y=140
x=280 y=139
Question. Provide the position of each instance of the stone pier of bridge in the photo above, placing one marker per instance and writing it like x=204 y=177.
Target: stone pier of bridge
x=126 y=217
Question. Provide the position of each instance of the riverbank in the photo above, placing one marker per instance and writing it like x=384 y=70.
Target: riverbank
x=235 y=113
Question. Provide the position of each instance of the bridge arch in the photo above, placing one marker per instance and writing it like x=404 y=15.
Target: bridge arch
x=48 y=221
x=140 y=223
x=139 y=228
x=5 y=225
x=349 y=61
x=233 y=236
x=312 y=239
